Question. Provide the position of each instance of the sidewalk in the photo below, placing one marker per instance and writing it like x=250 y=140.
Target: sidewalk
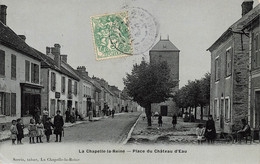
x=184 y=132
x=5 y=135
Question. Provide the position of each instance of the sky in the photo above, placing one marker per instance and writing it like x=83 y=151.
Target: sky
x=192 y=26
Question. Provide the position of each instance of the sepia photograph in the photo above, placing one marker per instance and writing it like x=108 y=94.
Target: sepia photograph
x=129 y=81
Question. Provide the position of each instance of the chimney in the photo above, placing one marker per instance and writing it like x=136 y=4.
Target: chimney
x=3 y=14
x=82 y=70
x=247 y=5
x=23 y=37
x=64 y=58
x=48 y=50
x=56 y=52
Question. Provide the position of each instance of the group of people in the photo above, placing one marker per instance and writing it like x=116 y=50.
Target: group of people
x=72 y=115
x=37 y=129
x=174 y=120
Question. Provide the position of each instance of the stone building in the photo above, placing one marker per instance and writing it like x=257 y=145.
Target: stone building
x=60 y=90
x=230 y=72
x=20 y=85
x=165 y=50
x=253 y=29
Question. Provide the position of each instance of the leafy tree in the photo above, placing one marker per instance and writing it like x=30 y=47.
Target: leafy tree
x=149 y=83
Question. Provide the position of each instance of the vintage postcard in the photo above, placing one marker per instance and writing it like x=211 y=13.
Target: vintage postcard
x=129 y=81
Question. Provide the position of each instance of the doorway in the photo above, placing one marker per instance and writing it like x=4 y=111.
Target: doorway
x=257 y=109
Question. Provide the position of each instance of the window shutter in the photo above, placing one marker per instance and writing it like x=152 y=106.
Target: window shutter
x=13 y=66
x=13 y=104
x=37 y=74
x=2 y=62
x=7 y=111
x=27 y=70
x=32 y=73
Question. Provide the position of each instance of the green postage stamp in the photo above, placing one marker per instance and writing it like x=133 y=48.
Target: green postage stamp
x=111 y=35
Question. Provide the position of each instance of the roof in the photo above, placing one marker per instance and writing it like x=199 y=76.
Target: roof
x=48 y=62
x=10 y=39
x=238 y=26
x=164 y=45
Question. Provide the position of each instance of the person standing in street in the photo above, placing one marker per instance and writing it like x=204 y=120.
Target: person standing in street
x=47 y=128
x=67 y=113
x=20 y=128
x=45 y=114
x=160 y=120
x=174 y=121
x=32 y=130
x=39 y=127
x=14 y=131
x=58 y=126
x=113 y=113
x=210 y=132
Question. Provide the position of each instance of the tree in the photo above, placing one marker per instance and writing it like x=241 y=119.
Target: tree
x=149 y=83
x=204 y=98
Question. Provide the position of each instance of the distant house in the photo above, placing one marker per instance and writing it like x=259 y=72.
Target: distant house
x=60 y=90
x=165 y=50
x=230 y=62
x=20 y=85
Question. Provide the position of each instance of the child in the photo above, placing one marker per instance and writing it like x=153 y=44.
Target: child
x=47 y=127
x=32 y=130
x=14 y=131
x=39 y=127
x=20 y=128
x=200 y=131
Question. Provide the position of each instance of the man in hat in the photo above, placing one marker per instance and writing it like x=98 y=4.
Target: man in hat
x=58 y=126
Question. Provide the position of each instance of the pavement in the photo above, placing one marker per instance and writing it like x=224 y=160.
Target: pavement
x=183 y=133
x=5 y=135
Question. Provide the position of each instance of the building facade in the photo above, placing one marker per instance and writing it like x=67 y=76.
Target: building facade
x=230 y=73
x=166 y=51
x=20 y=85
x=61 y=89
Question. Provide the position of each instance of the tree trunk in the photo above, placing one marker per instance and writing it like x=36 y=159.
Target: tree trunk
x=201 y=112
x=195 y=113
x=148 y=113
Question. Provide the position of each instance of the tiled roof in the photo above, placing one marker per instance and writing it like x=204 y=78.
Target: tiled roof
x=48 y=62
x=165 y=45
x=10 y=39
x=238 y=25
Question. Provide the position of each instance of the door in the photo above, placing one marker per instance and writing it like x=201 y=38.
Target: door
x=222 y=114
x=257 y=109
x=164 y=110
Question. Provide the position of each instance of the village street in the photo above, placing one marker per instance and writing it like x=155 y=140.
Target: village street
x=108 y=130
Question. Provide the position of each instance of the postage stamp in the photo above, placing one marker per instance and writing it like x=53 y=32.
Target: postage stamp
x=111 y=35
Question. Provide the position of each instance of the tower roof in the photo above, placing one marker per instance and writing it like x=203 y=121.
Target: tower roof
x=165 y=45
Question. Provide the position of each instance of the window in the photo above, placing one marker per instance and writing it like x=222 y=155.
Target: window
x=35 y=73
x=75 y=88
x=227 y=109
x=217 y=69
x=13 y=104
x=27 y=70
x=69 y=86
x=13 y=66
x=228 y=62
x=2 y=104
x=53 y=81
x=63 y=84
x=256 y=50
x=216 y=109
x=2 y=63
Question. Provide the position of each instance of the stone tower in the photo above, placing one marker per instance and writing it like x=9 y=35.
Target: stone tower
x=165 y=50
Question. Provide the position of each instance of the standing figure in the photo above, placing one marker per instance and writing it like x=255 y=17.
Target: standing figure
x=72 y=115
x=39 y=127
x=32 y=130
x=20 y=128
x=160 y=120
x=45 y=114
x=174 y=121
x=113 y=113
x=47 y=129
x=67 y=113
x=76 y=114
x=210 y=132
x=14 y=131
x=244 y=132
x=200 y=131
x=58 y=126
x=90 y=115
